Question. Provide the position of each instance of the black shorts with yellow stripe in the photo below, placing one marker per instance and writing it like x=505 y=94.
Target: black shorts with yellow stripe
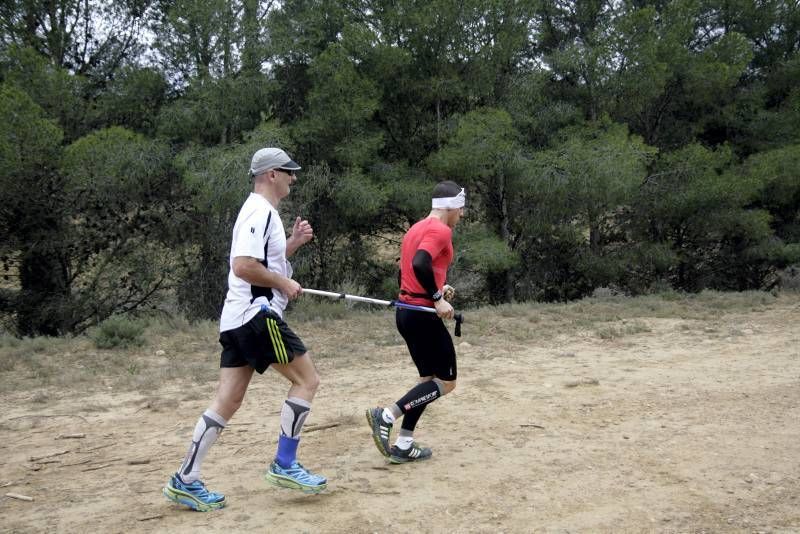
x=263 y=340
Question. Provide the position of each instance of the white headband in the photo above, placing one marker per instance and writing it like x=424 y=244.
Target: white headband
x=455 y=202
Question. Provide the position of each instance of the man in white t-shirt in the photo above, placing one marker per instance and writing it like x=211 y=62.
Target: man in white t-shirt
x=254 y=336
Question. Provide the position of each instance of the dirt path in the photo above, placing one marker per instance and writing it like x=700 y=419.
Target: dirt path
x=687 y=427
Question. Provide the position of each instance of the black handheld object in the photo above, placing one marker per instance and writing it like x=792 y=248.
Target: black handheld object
x=459 y=319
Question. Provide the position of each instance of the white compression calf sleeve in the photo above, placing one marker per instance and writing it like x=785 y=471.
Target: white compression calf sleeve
x=293 y=414
x=208 y=427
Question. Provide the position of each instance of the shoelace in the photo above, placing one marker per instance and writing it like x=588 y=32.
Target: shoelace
x=301 y=472
x=198 y=488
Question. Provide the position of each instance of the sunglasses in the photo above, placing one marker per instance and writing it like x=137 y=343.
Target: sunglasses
x=290 y=172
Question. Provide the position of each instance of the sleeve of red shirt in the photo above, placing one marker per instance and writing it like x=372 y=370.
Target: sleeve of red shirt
x=436 y=240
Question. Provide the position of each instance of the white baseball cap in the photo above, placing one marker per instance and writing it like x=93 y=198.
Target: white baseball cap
x=267 y=159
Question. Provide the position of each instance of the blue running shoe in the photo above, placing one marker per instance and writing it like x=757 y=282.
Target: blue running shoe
x=380 y=429
x=295 y=477
x=194 y=495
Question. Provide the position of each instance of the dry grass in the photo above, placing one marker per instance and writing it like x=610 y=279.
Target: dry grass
x=177 y=349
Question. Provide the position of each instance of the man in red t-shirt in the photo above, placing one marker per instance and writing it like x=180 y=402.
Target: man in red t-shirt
x=425 y=255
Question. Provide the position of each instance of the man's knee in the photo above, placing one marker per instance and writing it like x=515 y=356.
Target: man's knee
x=445 y=386
x=311 y=382
x=308 y=378
x=227 y=402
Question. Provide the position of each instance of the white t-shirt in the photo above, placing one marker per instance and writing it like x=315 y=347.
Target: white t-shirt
x=258 y=233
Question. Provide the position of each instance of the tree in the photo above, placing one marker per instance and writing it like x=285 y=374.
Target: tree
x=194 y=38
x=336 y=126
x=657 y=67
x=698 y=204
x=771 y=26
x=30 y=154
x=124 y=241
x=217 y=111
x=132 y=100
x=778 y=174
x=86 y=37
x=59 y=93
x=592 y=175
x=358 y=219
x=213 y=51
x=538 y=109
x=99 y=235
x=482 y=154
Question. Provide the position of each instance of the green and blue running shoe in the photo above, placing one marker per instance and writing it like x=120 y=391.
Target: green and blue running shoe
x=412 y=454
x=295 y=477
x=380 y=429
x=194 y=495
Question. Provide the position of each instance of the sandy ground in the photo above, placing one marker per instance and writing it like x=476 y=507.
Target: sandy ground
x=686 y=427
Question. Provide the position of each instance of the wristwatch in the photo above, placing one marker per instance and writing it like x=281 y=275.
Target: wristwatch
x=437 y=296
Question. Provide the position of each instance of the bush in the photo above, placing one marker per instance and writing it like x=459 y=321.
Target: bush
x=119 y=331
x=789 y=278
x=607 y=292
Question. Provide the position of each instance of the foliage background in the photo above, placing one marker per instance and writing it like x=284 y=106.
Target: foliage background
x=631 y=145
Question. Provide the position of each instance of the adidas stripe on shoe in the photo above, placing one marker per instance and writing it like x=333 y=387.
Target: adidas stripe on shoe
x=412 y=454
x=380 y=429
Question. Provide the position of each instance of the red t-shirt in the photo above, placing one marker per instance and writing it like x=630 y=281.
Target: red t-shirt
x=434 y=237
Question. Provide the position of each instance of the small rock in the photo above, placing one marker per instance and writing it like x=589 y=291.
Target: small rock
x=581 y=382
x=160 y=352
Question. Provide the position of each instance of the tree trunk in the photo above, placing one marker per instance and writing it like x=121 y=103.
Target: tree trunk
x=44 y=290
x=251 y=60
x=594 y=237
x=505 y=233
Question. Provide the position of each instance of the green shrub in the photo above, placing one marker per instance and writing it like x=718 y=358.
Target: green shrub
x=119 y=332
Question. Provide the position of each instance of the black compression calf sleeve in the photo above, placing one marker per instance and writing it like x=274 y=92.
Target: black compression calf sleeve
x=419 y=395
x=411 y=417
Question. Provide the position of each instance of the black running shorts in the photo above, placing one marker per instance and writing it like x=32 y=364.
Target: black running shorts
x=429 y=343
x=263 y=340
